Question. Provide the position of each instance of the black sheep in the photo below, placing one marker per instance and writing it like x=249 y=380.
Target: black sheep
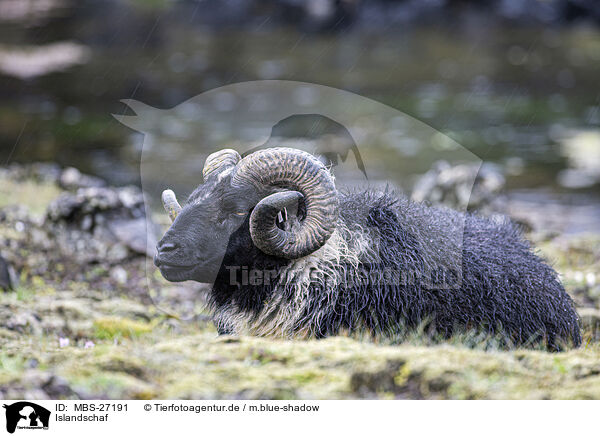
x=288 y=255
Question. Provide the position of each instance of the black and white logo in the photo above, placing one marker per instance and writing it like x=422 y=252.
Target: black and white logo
x=26 y=415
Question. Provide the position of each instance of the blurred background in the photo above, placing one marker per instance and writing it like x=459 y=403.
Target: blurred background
x=514 y=81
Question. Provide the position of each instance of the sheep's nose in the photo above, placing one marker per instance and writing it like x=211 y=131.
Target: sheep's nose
x=167 y=247
x=162 y=249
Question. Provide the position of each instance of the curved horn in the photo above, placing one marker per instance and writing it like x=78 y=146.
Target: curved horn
x=295 y=170
x=219 y=161
x=266 y=236
x=170 y=204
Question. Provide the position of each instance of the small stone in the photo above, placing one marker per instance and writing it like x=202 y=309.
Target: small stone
x=72 y=178
x=590 y=278
x=117 y=253
x=119 y=275
x=86 y=222
x=130 y=197
x=136 y=234
x=32 y=363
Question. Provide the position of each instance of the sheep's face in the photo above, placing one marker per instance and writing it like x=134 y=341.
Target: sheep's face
x=194 y=247
x=256 y=191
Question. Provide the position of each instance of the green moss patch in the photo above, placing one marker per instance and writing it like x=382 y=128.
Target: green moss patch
x=114 y=328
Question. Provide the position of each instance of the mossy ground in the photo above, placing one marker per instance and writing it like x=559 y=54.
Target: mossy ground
x=76 y=339
x=142 y=354
x=31 y=194
x=138 y=352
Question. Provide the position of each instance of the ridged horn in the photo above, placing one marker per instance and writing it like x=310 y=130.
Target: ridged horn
x=170 y=204
x=305 y=177
x=219 y=161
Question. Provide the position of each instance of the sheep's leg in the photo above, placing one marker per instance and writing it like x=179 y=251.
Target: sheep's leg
x=224 y=329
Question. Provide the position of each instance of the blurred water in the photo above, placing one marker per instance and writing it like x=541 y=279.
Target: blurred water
x=513 y=93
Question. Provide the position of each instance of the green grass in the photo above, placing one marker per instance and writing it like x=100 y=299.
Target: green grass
x=116 y=328
x=35 y=196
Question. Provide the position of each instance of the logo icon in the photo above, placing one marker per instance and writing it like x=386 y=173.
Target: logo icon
x=26 y=415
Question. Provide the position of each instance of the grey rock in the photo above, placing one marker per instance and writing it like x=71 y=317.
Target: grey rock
x=101 y=224
x=134 y=234
x=95 y=234
x=72 y=179
x=461 y=187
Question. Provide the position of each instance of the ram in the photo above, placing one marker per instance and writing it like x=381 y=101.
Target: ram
x=288 y=255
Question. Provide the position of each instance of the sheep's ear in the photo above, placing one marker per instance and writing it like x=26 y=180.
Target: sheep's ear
x=142 y=117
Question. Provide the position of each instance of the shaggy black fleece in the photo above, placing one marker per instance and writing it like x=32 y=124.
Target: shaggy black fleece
x=423 y=266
